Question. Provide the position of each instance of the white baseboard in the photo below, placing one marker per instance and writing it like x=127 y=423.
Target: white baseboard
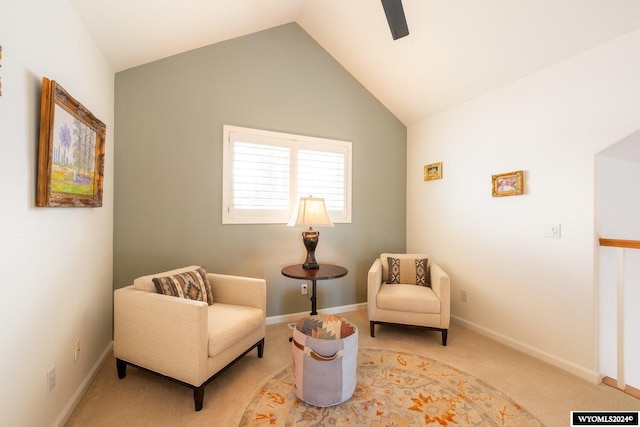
x=80 y=392
x=586 y=374
x=332 y=310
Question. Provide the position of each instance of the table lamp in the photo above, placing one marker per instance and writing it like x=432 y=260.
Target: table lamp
x=311 y=212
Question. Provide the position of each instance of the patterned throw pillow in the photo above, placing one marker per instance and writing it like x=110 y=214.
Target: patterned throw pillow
x=192 y=285
x=409 y=271
x=421 y=271
x=394 y=270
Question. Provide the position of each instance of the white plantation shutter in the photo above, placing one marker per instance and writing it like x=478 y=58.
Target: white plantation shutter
x=265 y=173
x=260 y=176
x=321 y=174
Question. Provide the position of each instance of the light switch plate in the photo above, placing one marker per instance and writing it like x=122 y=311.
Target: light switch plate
x=552 y=230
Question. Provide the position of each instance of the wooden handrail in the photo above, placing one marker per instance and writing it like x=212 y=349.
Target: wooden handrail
x=618 y=243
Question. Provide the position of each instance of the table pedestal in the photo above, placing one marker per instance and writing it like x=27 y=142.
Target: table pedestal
x=324 y=272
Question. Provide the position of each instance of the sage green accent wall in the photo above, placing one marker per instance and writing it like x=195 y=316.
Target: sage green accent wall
x=168 y=164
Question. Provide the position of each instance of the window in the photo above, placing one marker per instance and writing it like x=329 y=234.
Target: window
x=265 y=174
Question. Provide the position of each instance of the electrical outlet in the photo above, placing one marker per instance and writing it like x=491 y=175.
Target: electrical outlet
x=463 y=296
x=76 y=351
x=51 y=378
x=303 y=289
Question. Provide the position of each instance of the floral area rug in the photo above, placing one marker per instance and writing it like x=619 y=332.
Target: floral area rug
x=393 y=389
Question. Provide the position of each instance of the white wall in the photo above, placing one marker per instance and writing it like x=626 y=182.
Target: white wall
x=618 y=217
x=56 y=263
x=618 y=198
x=537 y=294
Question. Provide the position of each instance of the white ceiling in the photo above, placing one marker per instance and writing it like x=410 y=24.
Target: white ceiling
x=456 y=49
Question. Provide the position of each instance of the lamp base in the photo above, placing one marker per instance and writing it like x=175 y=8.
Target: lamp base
x=310 y=240
x=311 y=266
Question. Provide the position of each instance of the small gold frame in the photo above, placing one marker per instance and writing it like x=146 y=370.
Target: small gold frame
x=507 y=184
x=433 y=171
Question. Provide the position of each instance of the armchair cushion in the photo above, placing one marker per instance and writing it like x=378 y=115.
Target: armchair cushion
x=228 y=324
x=403 y=298
x=192 y=285
x=408 y=271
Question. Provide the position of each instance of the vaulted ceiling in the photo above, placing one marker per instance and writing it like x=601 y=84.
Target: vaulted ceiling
x=456 y=50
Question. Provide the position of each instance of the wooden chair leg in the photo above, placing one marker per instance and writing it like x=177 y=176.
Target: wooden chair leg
x=198 y=397
x=122 y=368
x=444 y=337
x=261 y=348
x=372 y=326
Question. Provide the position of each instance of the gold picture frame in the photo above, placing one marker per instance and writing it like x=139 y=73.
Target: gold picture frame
x=507 y=184
x=70 y=151
x=433 y=171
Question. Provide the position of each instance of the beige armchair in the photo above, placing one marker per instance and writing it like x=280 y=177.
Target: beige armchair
x=188 y=341
x=403 y=289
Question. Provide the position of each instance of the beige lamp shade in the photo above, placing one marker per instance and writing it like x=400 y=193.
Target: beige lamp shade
x=311 y=212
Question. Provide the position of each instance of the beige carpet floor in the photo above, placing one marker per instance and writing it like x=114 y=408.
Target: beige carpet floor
x=142 y=399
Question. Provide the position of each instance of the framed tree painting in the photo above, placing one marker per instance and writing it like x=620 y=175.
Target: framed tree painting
x=71 y=151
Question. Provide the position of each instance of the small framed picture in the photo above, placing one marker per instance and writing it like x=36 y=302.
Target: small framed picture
x=433 y=171
x=507 y=184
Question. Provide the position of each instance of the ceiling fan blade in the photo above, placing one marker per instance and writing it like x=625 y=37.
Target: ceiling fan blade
x=395 y=17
